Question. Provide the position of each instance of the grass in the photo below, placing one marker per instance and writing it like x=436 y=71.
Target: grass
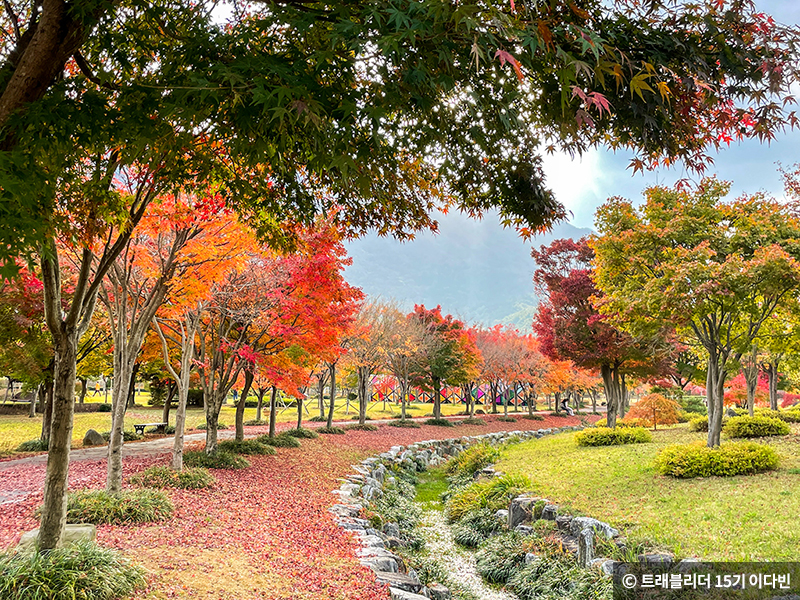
x=743 y=518
x=130 y=506
x=16 y=429
x=431 y=484
x=85 y=571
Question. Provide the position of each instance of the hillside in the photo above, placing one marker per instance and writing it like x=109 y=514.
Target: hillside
x=475 y=269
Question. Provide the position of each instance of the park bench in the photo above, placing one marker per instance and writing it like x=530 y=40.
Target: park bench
x=160 y=427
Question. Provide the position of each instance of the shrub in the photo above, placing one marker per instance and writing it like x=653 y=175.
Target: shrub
x=472 y=459
x=356 y=418
x=82 y=571
x=331 y=430
x=501 y=556
x=505 y=419
x=318 y=419
x=360 y=427
x=37 y=445
x=308 y=434
x=790 y=416
x=493 y=495
x=245 y=447
x=699 y=424
x=104 y=408
x=256 y=422
x=698 y=460
x=220 y=426
x=129 y=506
x=161 y=477
x=750 y=427
x=439 y=422
x=405 y=423
x=218 y=460
x=127 y=436
x=279 y=441
x=534 y=417
x=604 y=436
x=473 y=421
x=631 y=422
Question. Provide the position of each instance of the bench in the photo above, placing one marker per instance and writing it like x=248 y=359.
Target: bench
x=160 y=427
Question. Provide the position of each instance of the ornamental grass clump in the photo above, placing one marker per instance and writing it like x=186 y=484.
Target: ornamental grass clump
x=472 y=459
x=501 y=556
x=605 y=436
x=279 y=441
x=698 y=460
x=37 y=445
x=83 y=571
x=493 y=494
x=408 y=423
x=254 y=447
x=129 y=506
x=559 y=578
x=218 y=460
x=362 y=427
x=439 y=422
x=161 y=477
x=303 y=433
x=753 y=427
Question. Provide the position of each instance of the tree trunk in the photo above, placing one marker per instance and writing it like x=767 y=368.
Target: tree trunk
x=132 y=387
x=32 y=408
x=260 y=407
x=299 y=413
x=613 y=391
x=123 y=375
x=47 y=407
x=771 y=369
x=321 y=394
x=84 y=382
x=248 y=381
x=715 y=392
x=594 y=402
x=54 y=505
x=272 y=398
x=363 y=381
x=213 y=406
x=506 y=398
x=750 y=371
x=332 y=405
x=494 y=390
x=171 y=389
x=437 y=398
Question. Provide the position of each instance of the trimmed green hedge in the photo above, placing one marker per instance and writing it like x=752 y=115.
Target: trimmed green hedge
x=698 y=460
x=752 y=427
x=604 y=436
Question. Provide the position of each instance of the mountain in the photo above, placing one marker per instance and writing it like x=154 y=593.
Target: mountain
x=476 y=270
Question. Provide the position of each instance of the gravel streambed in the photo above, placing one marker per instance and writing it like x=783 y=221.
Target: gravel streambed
x=458 y=561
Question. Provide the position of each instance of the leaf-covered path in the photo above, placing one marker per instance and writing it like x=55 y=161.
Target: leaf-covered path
x=262 y=532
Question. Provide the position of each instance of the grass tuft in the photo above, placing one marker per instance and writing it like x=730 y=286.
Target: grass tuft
x=218 y=460
x=162 y=477
x=82 y=571
x=129 y=506
x=279 y=441
x=360 y=427
x=37 y=445
x=254 y=447
x=303 y=433
x=331 y=430
x=404 y=423
x=439 y=422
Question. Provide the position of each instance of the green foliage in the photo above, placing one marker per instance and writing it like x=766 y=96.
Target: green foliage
x=279 y=441
x=362 y=427
x=37 y=445
x=331 y=430
x=698 y=460
x=161 y=477
x=104 y=408
x=317 y=419
x=533 y=417
x=604 y=436
x=218 y=460
x=559 y=578
x=246 y=447
x=129 y=506
x=504 y=419
x=439 y=422
x=83 y=571
x=394 y=506
x=404 y=423
x=501 y=556
x=472 y=459
x=473 y=421
x=699 y=424
x=356 y=418
x=475 y=527
x=256 y=422
x=127 y=436
x=308 y=434
x=693 y=404
x=220 y=426
x=751 y=427
x=428 y=569
x=493 y=494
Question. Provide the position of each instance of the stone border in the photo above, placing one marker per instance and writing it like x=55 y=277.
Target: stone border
x=367 y=482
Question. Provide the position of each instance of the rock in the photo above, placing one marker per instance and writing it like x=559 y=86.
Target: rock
x=400 y=594
x=394 y=542
x=72 y=534
x=383 y=564
x=524 y=529
x=437 y=591
x=392 y=530
x=656 y=561
x=688 y=565
x=501 y=515
x=520 y=510
x=399 y=581
x=92 y=438
x=563 y=523
x=585 y=547
x=531 y=558
x=550 y=512
x=372 y=540
x=606 y=565
x=578 y=524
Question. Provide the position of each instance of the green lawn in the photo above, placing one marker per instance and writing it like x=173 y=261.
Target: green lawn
x=738 y=518
x=15 y=429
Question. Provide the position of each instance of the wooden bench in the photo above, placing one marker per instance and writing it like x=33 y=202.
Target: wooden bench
x=160 y=427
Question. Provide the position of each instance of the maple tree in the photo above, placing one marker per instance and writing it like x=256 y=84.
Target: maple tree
x=569 y=327
x=404 y=338
x=365 y=345
x=450 y=355
x=714 y=269
x=656 y=409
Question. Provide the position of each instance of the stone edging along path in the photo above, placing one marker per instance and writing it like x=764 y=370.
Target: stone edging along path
x=367 y=482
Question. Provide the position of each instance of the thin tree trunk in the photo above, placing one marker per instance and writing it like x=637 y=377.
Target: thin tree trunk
x=332 y=405
x=272 y=399
x=299 y=413
x=437 y=398
x=260 y=407
x=363 y=380
x=47 y=406
x=611 y=385
x=213 y=407
x=32 y=408
x=240 y=406
x=171 y=389
x=772 y=379
x=750 y=371
x=714 y=393
x=84 y=383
